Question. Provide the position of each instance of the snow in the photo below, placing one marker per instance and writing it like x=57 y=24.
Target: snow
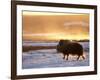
x=40 y=43
x=47 y=58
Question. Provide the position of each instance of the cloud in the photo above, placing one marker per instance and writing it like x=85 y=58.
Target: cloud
x=43 y=34
x=85 y=24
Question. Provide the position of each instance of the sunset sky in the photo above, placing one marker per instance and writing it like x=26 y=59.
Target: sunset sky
x=55 y=26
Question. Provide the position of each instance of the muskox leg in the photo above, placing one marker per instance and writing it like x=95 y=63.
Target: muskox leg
x=64 y=56
x=67 y=56
x=78 y=57
x=83 y=57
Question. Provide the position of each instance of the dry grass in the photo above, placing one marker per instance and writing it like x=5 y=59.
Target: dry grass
x=28 y=48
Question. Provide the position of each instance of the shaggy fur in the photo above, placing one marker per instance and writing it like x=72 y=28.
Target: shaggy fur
x=67 y=47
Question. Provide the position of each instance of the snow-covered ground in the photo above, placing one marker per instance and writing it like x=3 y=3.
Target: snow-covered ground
x=47 y=58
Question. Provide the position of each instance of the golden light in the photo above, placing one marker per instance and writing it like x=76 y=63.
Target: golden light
x=55 y=26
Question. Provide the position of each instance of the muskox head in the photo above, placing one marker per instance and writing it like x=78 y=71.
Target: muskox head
x=61 y=44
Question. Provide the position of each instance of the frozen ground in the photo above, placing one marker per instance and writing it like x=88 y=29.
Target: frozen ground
x=50 y=58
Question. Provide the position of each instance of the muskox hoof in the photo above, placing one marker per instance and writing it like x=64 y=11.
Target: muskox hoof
x=66 y=58
x=63 y=57
x=78 y=57
x=83 y=57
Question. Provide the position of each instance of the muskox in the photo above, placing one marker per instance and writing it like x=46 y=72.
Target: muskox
x=70 y=47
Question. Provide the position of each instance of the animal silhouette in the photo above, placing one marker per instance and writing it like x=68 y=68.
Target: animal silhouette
x=69 y=47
